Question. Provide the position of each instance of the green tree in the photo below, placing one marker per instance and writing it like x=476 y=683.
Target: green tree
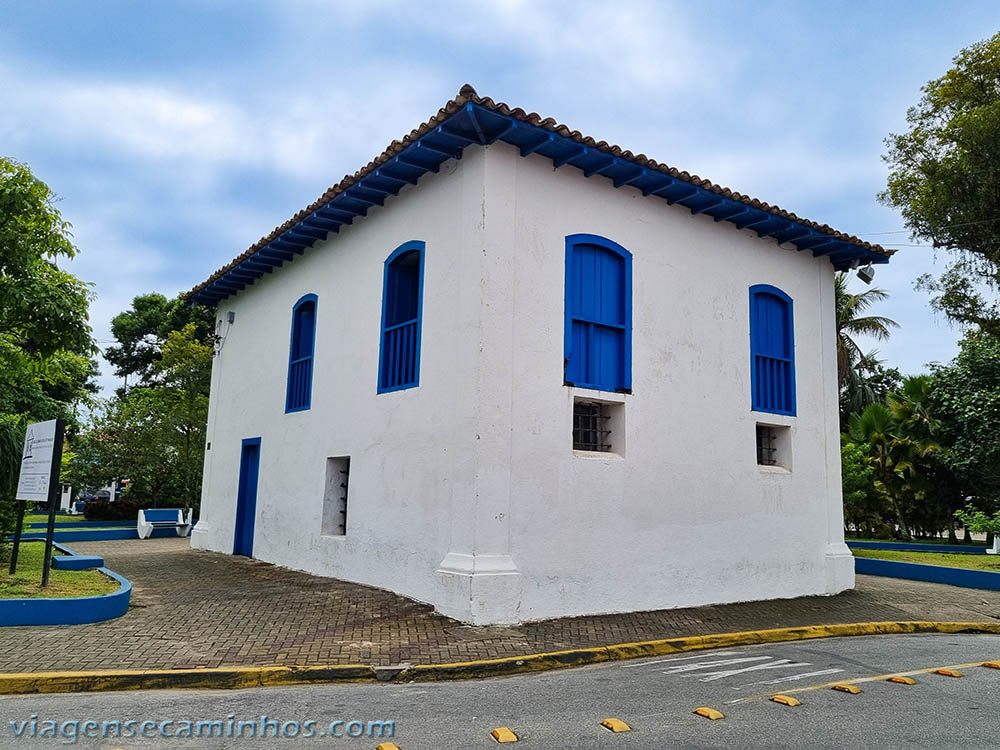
x=185 y=371
x=966 y=400
x=865 y=509
x=851 y=323
x=870 y=382
x=46 y=348
x=898 y=445
x=945 y=180
x=142 y=330
x=154 y=436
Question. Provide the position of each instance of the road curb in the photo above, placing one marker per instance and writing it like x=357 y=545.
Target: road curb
x=20 y=683
x=622 y=651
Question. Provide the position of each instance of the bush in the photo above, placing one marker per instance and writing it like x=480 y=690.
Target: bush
x=11 y=443
x=122 y=510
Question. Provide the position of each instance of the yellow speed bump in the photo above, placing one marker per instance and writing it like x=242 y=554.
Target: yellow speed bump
x=786 y=700
x=504 y=734
x=709 y=713
x=948 y=672
x=852 y=689
x=387 y=746
x=992 y=664
x=901 y=680
x=616 y=725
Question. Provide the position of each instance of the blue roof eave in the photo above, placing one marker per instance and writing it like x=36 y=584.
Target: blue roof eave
x=474 y=124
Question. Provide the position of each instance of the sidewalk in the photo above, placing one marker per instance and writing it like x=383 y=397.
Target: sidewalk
x=202 y=609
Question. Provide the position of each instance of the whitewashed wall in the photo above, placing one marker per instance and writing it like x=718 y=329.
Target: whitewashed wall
x=411 y=451
x=465 y=492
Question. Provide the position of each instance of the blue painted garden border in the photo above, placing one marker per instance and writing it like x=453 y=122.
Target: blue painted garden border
x=79 y=524
x=961 y=549
x=75 y=610
x=970 y=579
x=96 y=534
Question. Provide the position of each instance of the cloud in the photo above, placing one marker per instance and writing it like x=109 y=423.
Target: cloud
x=294 y=134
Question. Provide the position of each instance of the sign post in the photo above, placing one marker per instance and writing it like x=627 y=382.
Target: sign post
x=39 y=481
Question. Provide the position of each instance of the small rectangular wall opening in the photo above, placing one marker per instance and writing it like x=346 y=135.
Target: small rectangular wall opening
x=774 y=446
x=598 y=426
x=338 y=474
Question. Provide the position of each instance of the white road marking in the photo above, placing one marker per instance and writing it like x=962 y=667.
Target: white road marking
x=779 y=664
x=705 y=655
x=717 y=663
x=794 y=677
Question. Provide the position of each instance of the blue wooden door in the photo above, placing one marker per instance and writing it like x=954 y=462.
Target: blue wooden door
x=246 y=499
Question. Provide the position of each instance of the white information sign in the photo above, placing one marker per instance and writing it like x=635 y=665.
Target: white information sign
x=36 y=461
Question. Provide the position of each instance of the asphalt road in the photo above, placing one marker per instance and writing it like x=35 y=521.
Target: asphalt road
x=564 y=709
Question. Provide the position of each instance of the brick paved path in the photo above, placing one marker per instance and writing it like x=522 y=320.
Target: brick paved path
x=205 y=609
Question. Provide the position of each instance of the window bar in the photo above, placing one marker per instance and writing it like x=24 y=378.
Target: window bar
x=765 y=446
x=589 y=427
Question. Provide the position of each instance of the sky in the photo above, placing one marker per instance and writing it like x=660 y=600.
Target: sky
x=178 y=133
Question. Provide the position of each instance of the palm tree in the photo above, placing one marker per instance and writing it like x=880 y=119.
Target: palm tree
x=851 y=323
x=897 y=440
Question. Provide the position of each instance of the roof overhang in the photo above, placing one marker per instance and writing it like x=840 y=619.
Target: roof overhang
x=478 y=121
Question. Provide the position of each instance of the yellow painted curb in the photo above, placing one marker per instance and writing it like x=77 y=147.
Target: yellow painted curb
x=902 y=680
x=596 y=655
x=13 y=683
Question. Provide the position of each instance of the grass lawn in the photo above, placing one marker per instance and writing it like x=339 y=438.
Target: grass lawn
x=972 y=562
x=44 y=518
x=26 y=582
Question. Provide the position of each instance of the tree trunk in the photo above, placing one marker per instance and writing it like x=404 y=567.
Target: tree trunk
x=904 y=530
x=967 y=537
x=952 y=539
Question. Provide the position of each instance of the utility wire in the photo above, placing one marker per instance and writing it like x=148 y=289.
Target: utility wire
x=949 y=226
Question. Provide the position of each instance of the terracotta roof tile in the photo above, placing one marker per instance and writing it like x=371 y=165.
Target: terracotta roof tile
x=467 y=95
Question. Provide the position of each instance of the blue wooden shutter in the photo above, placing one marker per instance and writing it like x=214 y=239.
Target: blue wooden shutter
x=598 y=314
x=772 y=351
x=300 y=354
x=399 y=348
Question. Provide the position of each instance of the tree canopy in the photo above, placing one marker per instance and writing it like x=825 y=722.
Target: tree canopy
x=966 y=400
x=154 y=435
x=46 y=348
x=142 y=330
x=945 y=180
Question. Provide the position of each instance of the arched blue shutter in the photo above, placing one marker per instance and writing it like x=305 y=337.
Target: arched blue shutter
x=300 y=354
x=598 y=339
x=399 y=349
x=772 y=351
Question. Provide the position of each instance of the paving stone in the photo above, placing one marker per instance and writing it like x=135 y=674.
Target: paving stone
x=201 y=609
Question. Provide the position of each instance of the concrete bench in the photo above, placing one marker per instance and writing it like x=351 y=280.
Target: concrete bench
x=164 y=518
x=77 y=562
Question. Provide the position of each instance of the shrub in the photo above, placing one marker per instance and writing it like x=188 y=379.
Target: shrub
x=122 y=510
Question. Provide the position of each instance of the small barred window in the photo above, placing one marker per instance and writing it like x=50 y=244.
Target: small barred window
x=591 y=426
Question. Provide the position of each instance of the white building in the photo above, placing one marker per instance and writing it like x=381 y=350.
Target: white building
x=547 y=377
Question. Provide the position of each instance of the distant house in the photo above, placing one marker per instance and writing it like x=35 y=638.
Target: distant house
x=518 y=373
